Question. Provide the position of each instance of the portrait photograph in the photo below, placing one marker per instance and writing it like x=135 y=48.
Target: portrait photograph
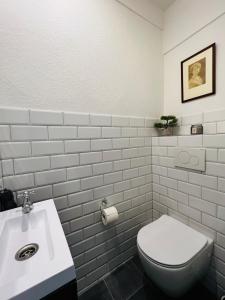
x=198 y=74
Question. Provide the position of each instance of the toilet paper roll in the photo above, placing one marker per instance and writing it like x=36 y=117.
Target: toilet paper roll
x=109 y=215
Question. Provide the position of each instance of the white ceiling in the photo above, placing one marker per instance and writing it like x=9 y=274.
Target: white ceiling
x=162 y=4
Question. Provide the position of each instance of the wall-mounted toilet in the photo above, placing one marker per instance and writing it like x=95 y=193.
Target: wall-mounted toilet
x=173 y=255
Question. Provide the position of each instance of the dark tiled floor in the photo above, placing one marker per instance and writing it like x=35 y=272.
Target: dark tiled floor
x=129 y=282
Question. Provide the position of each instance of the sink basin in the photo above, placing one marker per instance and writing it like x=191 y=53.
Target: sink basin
x=45 y=264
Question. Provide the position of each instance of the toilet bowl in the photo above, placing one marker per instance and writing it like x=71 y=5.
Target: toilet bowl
x=173 y=254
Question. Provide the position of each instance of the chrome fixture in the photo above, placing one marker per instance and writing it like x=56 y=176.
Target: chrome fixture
x=27 y=204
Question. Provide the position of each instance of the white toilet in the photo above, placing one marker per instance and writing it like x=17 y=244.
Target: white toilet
x=173 y=255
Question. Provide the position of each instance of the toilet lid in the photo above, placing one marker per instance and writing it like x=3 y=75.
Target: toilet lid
x=170 y=242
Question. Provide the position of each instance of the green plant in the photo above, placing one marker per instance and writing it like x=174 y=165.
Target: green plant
x=167 y=121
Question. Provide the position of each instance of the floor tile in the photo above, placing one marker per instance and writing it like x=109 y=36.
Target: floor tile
x=97 y=292
x=124 y=281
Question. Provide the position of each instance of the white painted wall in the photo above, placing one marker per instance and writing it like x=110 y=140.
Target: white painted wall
x=146 y=9
x=79 y=55
x=189 y=27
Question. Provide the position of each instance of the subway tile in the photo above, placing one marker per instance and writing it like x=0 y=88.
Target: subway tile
x=221 y=155
x=160 y=151
x=101 y=144
x=41 y=193
x=81 y=223
x=79 y=172
x=14 y=150
x=168 y=182
x=23 y=133
x=214 y=141
x=76 y=118
x=150 y=122
x=178 y=196
x=61 y=161
x=204 y=180
x=138 y=162
x=210 y=128
x=49 y=177
x=111 y=132
x=190 y=212
x=137 y=181
x=221 y=127
x=80 y=198
x=166 y=162
x=91 y=182
x=178 y=174
x=7 y=167
x=221 y=212
x=190 y=189
x=221 y=240
x=121 y=165
x=102 y=168
x=46 y=148
x=75 y=237
x=89 y=132
x=168 y=141
x=213 y=196
x=112 y=155
x=215 y=169
x=190 y=141
x=130 y=173
x=213 y=223
x=103 y=191
x=121 y=186
x=144 y=132
x=203 y=229
x=77 y=146
x=31 y=164
x=211 y=154
x=66 y=188
x=61 y=202
x=129 y=132
x=18 y=182
x=130 y=153
x=70 y=213
x=112 y=177
x=46 y=117
x=221 y=184
x=202 y=205
x=137 y=142
x=115 y=199
x=121 y=143
x=145 y=170
x=14 y=116
x=137 y=122
x=90 y=158
x=121 y=121
x=100 y=120
x=62 y=132
x=4 y=133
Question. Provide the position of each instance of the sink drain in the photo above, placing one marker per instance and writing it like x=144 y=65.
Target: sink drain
x=26 y=252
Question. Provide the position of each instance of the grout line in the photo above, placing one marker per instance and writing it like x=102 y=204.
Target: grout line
x=193 y=34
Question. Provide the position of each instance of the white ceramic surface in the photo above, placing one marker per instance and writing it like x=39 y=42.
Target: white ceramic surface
x=50 y=268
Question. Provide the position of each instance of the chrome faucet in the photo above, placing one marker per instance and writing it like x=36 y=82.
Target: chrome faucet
x=27 y=204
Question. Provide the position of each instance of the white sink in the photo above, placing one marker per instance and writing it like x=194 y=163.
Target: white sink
x=50 y=268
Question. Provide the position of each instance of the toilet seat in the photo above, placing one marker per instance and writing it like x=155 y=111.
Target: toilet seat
x=170 y=243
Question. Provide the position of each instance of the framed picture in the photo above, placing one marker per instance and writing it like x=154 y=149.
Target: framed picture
x=198 y=74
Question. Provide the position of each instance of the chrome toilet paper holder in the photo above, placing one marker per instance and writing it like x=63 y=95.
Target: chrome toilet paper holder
x=103 y=205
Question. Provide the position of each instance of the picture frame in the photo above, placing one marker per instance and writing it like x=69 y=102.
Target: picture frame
x=198 y=74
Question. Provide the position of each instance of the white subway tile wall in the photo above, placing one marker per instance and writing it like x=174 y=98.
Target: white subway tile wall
x=197 y=199
x=78 y=159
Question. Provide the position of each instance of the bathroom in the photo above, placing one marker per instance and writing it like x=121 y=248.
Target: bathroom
x=112 y=149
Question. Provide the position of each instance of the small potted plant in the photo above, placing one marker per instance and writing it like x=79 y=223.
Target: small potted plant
x=166 y=125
